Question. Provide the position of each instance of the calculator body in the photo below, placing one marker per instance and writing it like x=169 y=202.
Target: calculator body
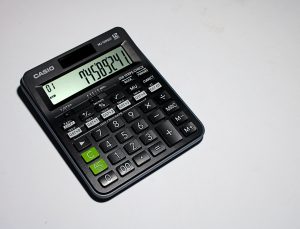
x=113 y=115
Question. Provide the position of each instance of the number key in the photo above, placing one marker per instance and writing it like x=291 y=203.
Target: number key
x=132 y=147
x=125 y=168
x=108 y=179
x=148 y=137
x=116 y=157
x=108 y=145
x=139 y=126
x=124 y=135
x=131 y=115
x=100 y=133
x=115 y=124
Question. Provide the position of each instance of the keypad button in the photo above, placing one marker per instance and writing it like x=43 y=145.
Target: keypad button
x=132 y=147
x=154 y=87
x=133 y=87
x=140 y=95
x=67 y=124
x=157 y=148
x=98 y=167
x=90 y=155
x=91 y=123
x=168 y=132
x=83 y=115
x=125 y=168
x=108 y=145
x=148 y=105
x=171 y=107
x=124 y=135
x=82 y=143
x=162 y=97
x=74 y=132
x=108 y=179
x=148 y=137
x=141 y=158
x=131 y=115
x=124 y=104
x=139 y=126
x=108 y=113
x=116 y=157
x=179 y=118
x=115 y=124
x=156 y=116
x=102 y=104
x=188 y=129
x=117 y=96
x=100 y=133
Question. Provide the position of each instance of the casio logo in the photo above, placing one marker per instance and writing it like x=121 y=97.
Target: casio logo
x=43 y=72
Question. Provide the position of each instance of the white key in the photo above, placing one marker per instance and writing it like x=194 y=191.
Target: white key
x=92 y=122
x=140 y=95
x=74 y=132
x=68 y=124
x=155 y=87
x=123 y=105
x=108 y=113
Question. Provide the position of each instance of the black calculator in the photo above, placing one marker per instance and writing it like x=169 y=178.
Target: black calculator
x=114 y=118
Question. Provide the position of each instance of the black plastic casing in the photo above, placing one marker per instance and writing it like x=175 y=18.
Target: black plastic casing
x=51 y=116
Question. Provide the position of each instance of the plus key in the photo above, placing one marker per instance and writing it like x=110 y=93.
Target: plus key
x=168 y=132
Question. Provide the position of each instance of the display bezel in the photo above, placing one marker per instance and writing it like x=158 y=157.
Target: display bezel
x=52 y=106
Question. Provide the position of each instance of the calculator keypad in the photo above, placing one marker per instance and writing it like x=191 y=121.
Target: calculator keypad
x=128 y=130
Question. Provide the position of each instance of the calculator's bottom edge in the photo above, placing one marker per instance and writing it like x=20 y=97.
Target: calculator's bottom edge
x=99 y=197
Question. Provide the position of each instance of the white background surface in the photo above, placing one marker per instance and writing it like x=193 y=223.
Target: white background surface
x=235 y=63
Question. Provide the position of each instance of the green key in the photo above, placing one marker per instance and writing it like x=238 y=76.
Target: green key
x=90 y=154
x=98 y=166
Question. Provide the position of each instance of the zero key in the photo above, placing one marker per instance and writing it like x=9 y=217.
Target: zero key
x=168 y=132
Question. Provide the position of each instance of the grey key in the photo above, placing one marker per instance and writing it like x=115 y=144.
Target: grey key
x=108 y=179
x=125 y=168
x=141 y=158
x=168 y=132
x=157 y=148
